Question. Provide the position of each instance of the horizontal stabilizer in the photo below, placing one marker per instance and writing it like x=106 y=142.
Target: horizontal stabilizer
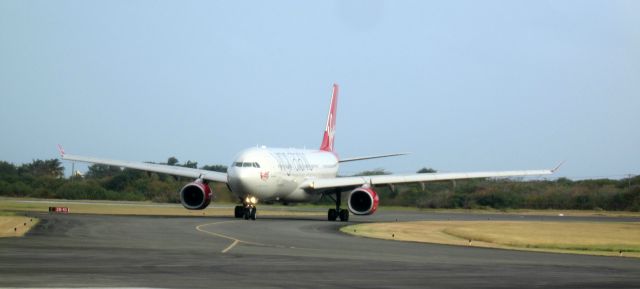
x=371 y=157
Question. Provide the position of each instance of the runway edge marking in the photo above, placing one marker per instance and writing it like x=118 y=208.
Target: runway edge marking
x=235 y=240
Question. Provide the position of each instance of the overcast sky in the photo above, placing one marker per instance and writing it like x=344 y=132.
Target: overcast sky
x=463 y=85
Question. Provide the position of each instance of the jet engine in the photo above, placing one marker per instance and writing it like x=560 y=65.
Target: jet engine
x=195 y=195
x=363 y=201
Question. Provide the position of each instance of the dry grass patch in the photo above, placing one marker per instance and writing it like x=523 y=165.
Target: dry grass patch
x=532 y=212
x=15 y=226
x=598 y=238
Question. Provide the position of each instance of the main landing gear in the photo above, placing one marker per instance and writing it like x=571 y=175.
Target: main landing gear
x=336 y=213
x=246 y=212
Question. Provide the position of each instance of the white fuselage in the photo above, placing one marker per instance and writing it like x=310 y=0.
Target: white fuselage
x=275 y=174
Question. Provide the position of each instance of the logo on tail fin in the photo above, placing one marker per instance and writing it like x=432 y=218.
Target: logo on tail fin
x=61 y=150
x=330 y=129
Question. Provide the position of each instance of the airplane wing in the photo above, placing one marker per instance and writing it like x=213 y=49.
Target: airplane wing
x=164 y=169
x=325 y=183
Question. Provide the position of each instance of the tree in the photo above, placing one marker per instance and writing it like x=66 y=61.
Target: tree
x=373 y=172
x=98 y=171
x=215 y=168
x=7 y=169
x=190 y=164
x=563 y=181
x=40 y=168
x=426 y=170
x=172 y=161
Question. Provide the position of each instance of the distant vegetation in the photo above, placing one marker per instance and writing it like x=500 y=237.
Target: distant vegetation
x=44 y=179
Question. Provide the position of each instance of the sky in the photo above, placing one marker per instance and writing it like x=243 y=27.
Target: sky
x=462 y=85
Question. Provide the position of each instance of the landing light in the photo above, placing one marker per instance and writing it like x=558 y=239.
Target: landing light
x=251 y=200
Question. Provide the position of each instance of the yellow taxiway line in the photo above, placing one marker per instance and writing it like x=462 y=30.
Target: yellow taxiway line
x=235 y=240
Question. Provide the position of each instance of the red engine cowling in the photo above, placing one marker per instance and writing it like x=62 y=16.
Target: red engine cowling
x=195 y=195
x=363 y=201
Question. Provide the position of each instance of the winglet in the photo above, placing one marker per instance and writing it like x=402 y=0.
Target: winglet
x=558 y=166
x=61 y=150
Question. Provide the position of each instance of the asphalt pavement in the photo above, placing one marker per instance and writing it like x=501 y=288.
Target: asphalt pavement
x=284 y=252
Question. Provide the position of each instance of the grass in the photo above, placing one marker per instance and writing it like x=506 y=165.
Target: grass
x=15 y=226
x=226 y=209
x=135 y=208
x=596 y=238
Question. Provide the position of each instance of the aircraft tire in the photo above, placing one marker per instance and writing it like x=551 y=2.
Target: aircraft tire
x=238 y=212
x=246 y=213
x=344 y=215
x=253 y=213
x=332 y=215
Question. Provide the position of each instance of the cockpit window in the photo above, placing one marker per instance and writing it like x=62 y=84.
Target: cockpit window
x=247 y=164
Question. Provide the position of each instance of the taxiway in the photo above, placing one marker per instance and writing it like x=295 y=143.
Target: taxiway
x=284 y=252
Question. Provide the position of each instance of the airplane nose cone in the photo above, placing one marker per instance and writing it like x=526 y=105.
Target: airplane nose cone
x=243 y=180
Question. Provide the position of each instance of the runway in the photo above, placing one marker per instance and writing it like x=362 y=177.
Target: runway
x=214 y=252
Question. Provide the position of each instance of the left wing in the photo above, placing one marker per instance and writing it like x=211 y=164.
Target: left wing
x=326 y=183
x=165 y=169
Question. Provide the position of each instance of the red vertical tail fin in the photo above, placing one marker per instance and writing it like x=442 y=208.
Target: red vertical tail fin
x=329 y=131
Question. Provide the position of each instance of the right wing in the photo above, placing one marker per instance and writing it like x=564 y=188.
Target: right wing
x=164 y=169
x=325 y=183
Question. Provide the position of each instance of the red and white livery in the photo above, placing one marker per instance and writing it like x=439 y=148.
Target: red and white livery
x=294 y=175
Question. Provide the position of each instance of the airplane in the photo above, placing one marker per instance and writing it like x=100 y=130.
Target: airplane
x=262 y=174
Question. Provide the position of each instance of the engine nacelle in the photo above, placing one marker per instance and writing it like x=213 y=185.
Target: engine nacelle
x=363 y=201
x=195 y=195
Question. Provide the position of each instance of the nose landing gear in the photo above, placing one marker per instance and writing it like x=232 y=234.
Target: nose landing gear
x=248 y=209
x=246 y=212
x=250 y=213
